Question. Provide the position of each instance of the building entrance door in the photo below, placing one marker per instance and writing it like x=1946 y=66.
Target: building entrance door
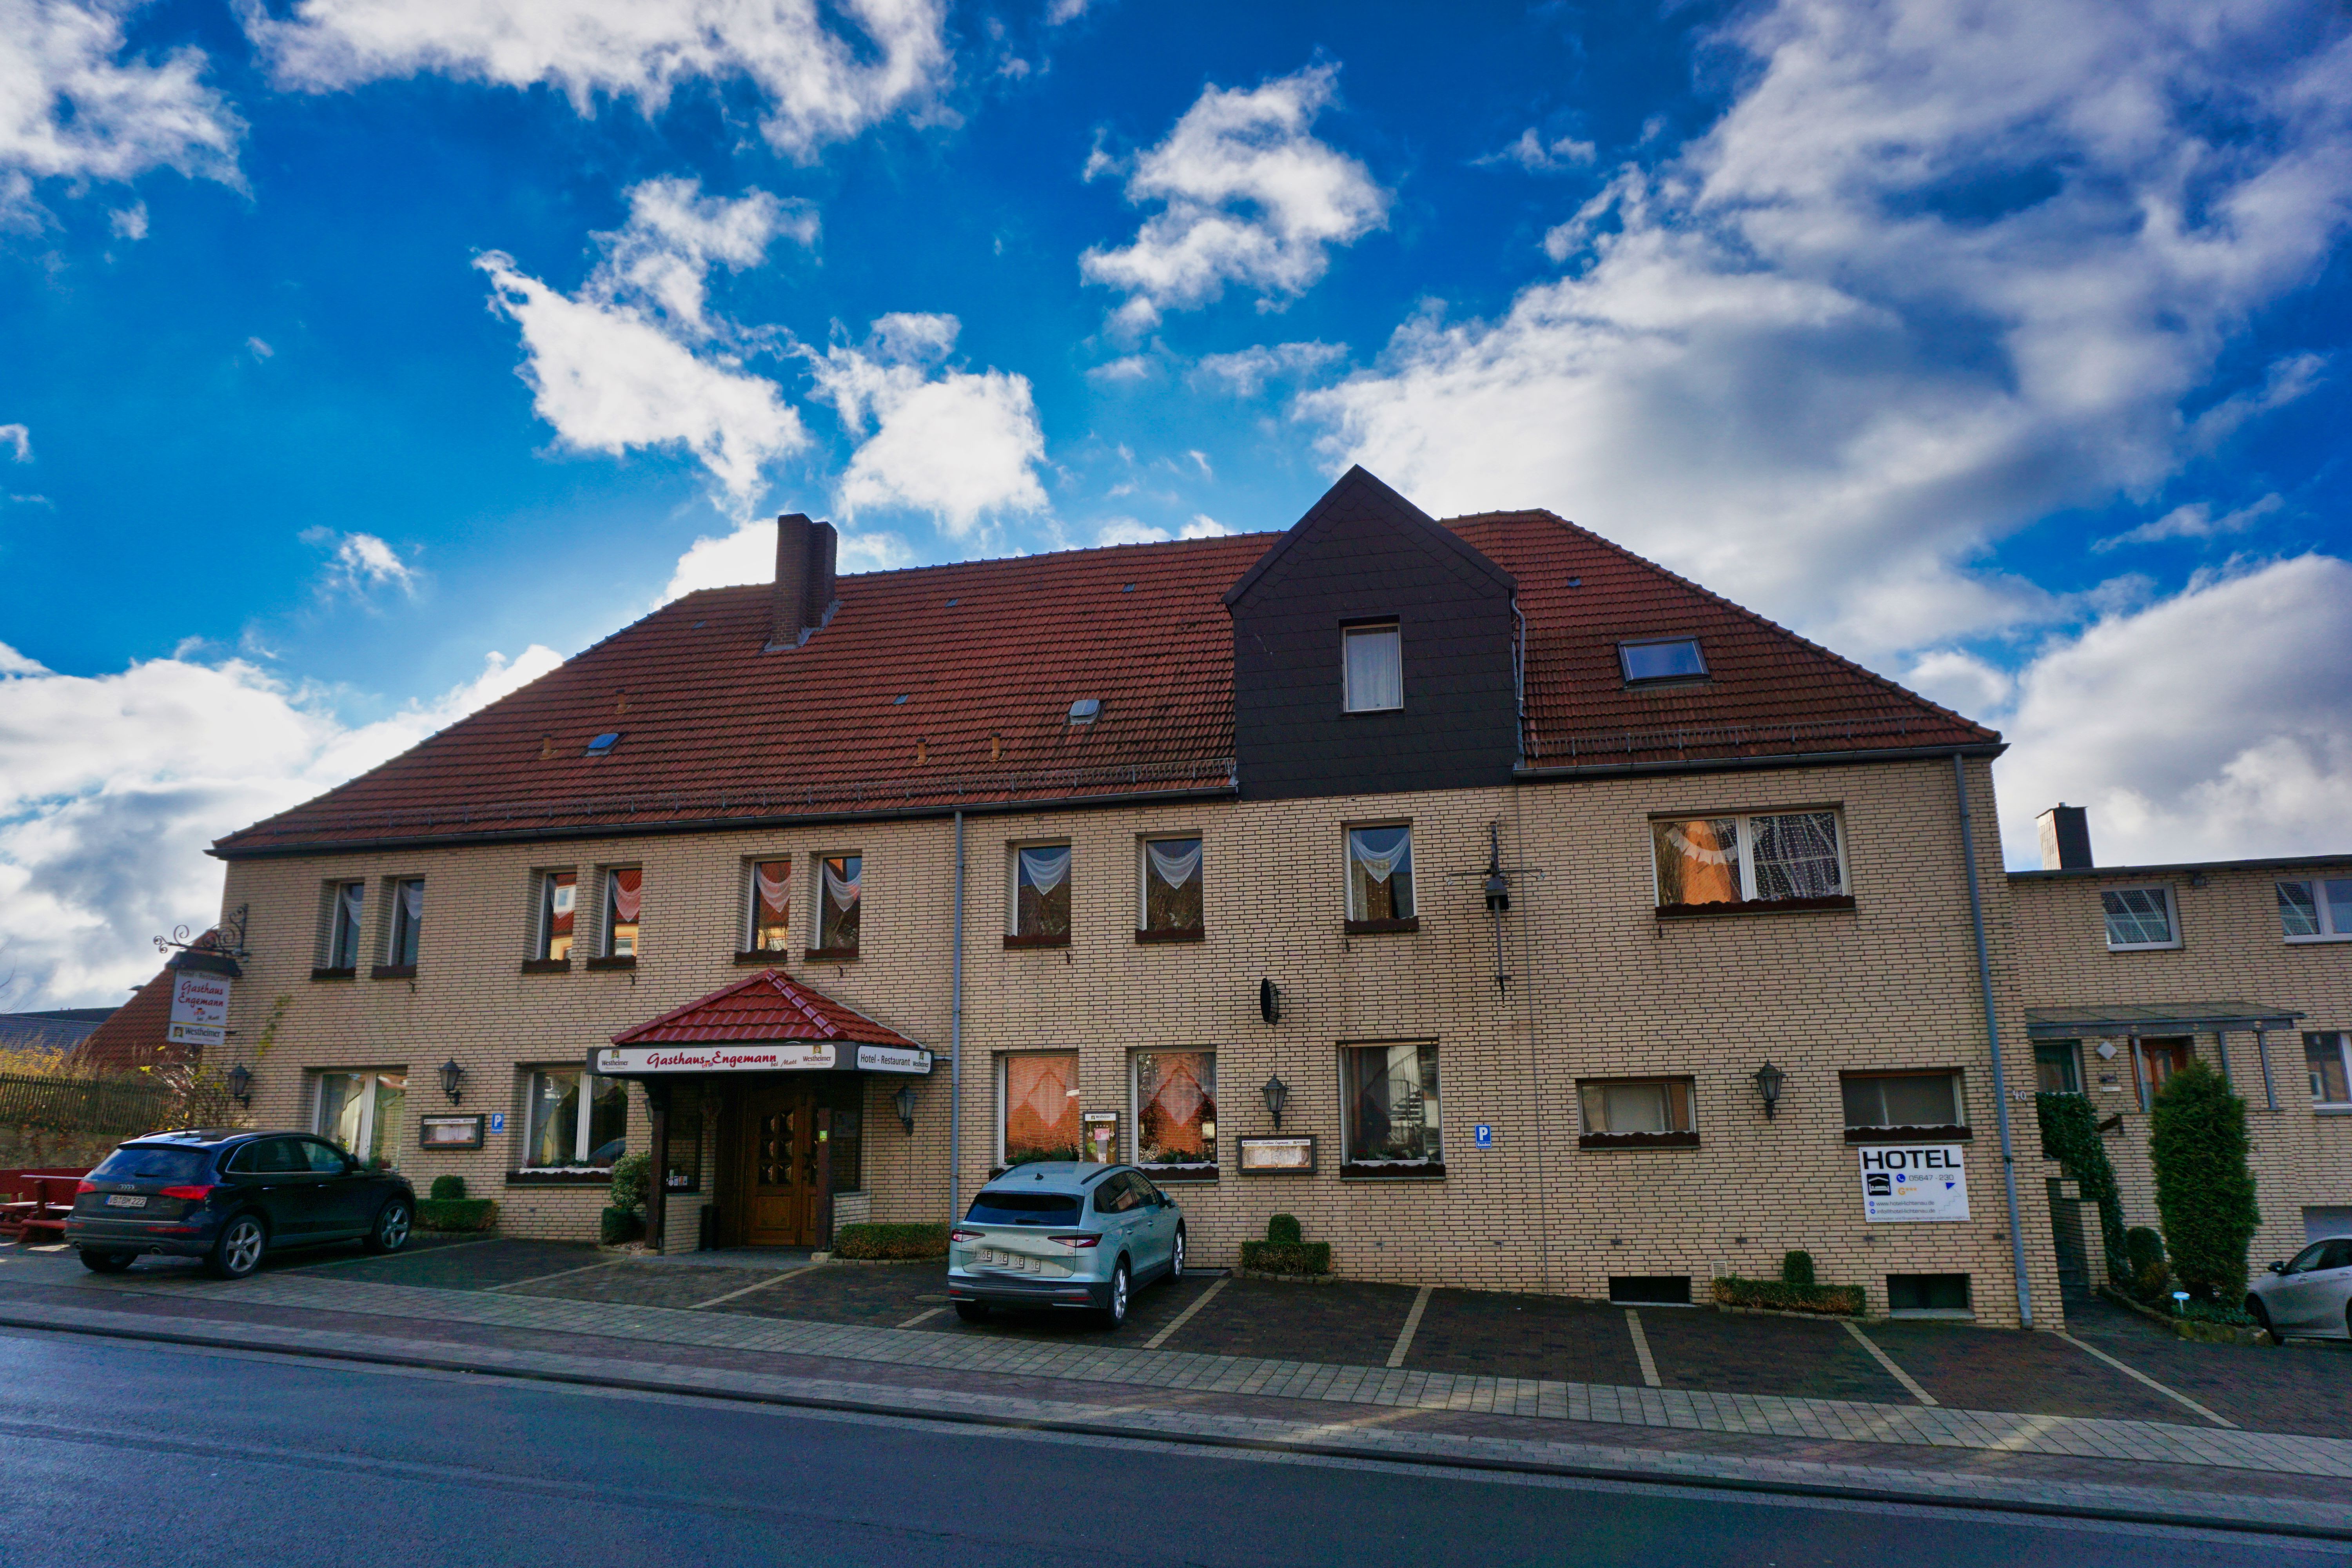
x=2067 y=1235
x=780 y=1167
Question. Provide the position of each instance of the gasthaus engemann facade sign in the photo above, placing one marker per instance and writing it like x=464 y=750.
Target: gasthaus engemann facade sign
x=1914 y=1182
x=783 y=1055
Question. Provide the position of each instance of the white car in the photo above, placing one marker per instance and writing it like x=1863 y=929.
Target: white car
x=2310 y=1295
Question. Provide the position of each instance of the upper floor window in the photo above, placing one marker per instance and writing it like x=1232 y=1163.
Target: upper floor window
x=1375 y=667
x=1879 y=1104
x=1664 y=658
x=1172 y=888
x=2329 y=1056
x=2319 y=910
x=558 y=893
x=2057 y=1066
x=1749 y=859
x=771 y=921
x=1041 y=894
x=837 y=903
x=625 y=896
x=2140 y=917
x=1379 y=873
x=346 y=902
x=407 y=922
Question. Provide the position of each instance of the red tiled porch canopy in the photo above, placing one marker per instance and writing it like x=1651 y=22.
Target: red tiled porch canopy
x=768 y=1023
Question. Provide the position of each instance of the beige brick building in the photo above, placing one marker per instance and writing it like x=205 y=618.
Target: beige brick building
x=1515 y=861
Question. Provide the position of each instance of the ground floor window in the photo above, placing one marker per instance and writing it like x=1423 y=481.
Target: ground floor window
x=1037 y=1094
x=1927 y=1293
x=2329 y=1056
x=362 y=1111
x=1637 y=1112
x=1392 y=1104
x=1175 y=1109
x=579 y=1121
x=849 y=1145
x=2057 y=1069
x=1905 y=1102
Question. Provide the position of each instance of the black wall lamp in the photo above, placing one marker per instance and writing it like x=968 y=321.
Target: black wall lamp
x=1768 y=1079
x=1269 y=1001
x=240 y=1085
x=905 y=1100
x=1278 y=1095
x=452 y=1075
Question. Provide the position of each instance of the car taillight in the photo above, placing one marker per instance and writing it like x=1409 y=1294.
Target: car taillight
x=966 y=1235
x=82 y=1187
x=194 y=1194
x=1075 y=1240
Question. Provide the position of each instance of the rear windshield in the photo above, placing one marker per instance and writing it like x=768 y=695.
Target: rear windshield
x=135 y=1164
x=1024 y=1208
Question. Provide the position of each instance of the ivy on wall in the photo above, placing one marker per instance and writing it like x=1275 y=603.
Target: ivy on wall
x=2070 y=1135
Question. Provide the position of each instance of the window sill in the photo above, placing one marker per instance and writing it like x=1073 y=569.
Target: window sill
x=1175 y=933
x=2323 y=1107
x=335 y=974
x=1384 y=928
x=1432 y=1172
x=2145 y=947
x=393 y=971
x=627 y=960
x=1908 y=1135
x=1638 y=1140
x=830 y=954
x=547 y=966
x=587 y=1176
x=1173 y=1174
x=1014 y=941
x=769 y=956
x=1755 y=907
x=2310 y=941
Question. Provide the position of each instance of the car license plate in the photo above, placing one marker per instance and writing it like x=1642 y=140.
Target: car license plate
x=996 y=1260
x=126 y=1200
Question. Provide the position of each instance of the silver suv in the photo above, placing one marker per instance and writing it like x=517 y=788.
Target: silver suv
x=1064 y=1234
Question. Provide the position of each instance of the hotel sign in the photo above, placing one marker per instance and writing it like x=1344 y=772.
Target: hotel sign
x=775 y=1056
x=1914 y=1182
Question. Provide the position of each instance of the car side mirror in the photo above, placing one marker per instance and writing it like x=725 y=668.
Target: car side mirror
x=2278 y=1268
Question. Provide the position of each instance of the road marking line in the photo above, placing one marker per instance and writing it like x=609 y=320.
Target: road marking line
x=1412 y=1322
x=1641 y=1349
x=1184 y=1317
x=777 y=1278
x=1883 y=1359
x=2138 y=1375
x=922 y=1317
x=544 y=1279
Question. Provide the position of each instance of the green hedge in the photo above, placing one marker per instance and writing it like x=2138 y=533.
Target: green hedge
x=619 y=1226
x=456 y=1214
x=1774 y=1295
x=2204 y=1190
x=885 y=1241
x=1287 y=1257
x=2070 y=1135
x=448 y=1186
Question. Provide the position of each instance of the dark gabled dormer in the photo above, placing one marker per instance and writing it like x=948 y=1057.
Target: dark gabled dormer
x=1372 y=653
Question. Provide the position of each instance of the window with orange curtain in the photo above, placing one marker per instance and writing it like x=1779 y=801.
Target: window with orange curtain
x=1698 y=860
x=1038 y=1091
x=1786 y=855
x=1175 y=1107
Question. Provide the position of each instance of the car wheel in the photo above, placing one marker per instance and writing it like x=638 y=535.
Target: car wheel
x=239 y=1251
x=392 y=1226
x=2261 y=1319
x=973 y=1312
x=1114 y=1313
x=1176 y=1258
x=98 y=1262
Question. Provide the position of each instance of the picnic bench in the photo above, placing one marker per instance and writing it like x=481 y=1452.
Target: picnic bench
x=34 y=1204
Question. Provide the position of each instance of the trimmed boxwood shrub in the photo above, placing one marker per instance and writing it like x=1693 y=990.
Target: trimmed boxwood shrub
x=1283 y=1230
x=1285 y=1250
x=620 y=1226
x=2070 y=1135
x=632 y=1181
x=456 y=1214
x=879 y=1241
x=448 y=1186
x=1797 y=1269
x=1779 y=1296
x=2204 y=1190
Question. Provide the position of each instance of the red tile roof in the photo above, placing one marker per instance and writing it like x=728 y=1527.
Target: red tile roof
x=770 y=1006
x=945 y=686
x=134 y=1034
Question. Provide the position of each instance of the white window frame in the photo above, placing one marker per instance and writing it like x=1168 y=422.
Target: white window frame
x=1669 y=1081
x=587 y=1115
x=1012 y=879
x=1135 y=1108
x=2320 y=908
x=1956 y=1077
x=1143 y=874
x=1005 y=1105
x=2344 y=1054
x=1746 y=849
x=1394 y=632
x=368 y=1078
x=2171 y=919
x=342 y=924
x=1347 y=869
x=396 y=922
x=817 y=898
x=751 y=865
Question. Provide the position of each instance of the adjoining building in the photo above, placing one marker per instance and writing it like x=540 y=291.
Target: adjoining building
x=1511 y=910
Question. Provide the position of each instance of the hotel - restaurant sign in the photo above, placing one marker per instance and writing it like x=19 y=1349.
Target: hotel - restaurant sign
x=775 y=1055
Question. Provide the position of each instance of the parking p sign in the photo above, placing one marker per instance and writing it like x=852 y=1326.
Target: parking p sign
x=1483 y=1135
x=1914 y=1182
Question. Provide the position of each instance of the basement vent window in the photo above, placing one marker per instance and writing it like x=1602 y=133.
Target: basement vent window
x=602 y=746
x=1674 y=659
x=1086 y=711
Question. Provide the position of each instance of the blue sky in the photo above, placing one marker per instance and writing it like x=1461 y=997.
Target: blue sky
x=360 y=357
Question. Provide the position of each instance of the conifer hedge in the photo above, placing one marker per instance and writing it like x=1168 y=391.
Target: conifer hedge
x=2070 y=1135
x=2204 y=1190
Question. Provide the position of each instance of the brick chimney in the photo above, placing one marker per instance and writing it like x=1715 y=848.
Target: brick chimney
x=2065 y=838
x=801 y=599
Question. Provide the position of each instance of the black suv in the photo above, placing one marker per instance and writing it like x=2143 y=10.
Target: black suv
x=227 y=1196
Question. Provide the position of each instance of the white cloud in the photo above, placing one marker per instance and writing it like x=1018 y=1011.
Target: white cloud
x=1246 y=372
x=1202 y=526
x=820 y=83
x=2215 y=724
x=259 y=350
x=2194 y=521
x=112 y=785
x=748 y=556
x=1537 y=156
x=1936 y=273
x=362 y=561
x=128 y=223
x=1129 y=531
x=1128 y=368
x=72 y=108
x=1247 y=194
x=960 y=445
x=19 y=437
x=634 y=359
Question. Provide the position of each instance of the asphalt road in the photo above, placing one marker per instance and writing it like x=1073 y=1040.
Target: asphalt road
x=118 y=1454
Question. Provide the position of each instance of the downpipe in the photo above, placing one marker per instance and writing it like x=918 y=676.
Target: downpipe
x=1993 y=1038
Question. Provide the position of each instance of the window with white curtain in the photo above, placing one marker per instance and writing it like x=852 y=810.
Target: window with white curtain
x=624 y=897
x=1903 y=1101
x=2138 y=918
x=1375 y=667
x=840 y=880
x=2317 y=910
x=768 y=925
x=1761 y=858
x=577 y=1120
x=346 y=902
x=1171 y=886
x=1655 y=1113
x=1379 y=873
x=362 y=1111
x=407 y=895
x=1040 y=910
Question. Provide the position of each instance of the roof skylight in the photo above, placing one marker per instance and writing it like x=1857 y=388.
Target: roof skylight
x=1086 y=711
x=602 y=746
x=1665 y=658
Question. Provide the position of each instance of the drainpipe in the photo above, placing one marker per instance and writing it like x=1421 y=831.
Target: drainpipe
x=955 y=1041
x=1992 y=1037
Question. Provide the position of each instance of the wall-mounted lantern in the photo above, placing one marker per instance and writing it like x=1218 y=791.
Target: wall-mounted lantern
x=905 y=1100
x=452 y=1075
x=1768 y=1079
x=240 y=1085
x=1277 y=1094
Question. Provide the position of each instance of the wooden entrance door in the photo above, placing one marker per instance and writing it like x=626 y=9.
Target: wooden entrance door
x=780 y=1175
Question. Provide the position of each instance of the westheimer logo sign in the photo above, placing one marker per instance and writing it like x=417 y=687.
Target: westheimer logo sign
x=199 y=1008
x=1914 y=1182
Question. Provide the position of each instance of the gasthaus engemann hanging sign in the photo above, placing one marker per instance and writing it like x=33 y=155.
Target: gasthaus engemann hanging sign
x=780 y=1056
x=1914 y=1182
